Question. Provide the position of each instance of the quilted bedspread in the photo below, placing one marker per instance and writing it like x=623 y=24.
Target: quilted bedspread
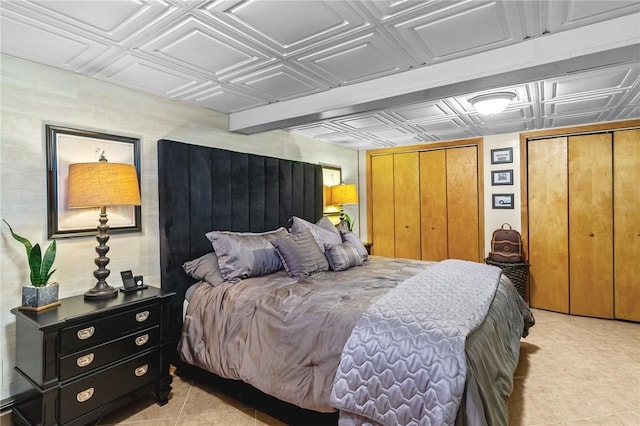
x=404 y=363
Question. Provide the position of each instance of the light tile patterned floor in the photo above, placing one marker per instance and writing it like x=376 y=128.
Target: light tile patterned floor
x=573 y=371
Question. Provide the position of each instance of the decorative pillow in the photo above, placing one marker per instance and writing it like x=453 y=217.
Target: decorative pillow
x=325 y=223
x=205 y=268
x=300 y=254
x=342 y=256
x=354 y=240
x=322 y=236
x=246 y=254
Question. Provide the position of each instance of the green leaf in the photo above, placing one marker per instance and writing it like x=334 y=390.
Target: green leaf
x=48 y=276
x=47 y=262
x=35 y=261
x=27 y=243
x=349 y=221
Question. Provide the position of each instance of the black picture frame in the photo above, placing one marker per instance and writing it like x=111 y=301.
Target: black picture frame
x=331 y=175
x=501 y=177
x=502 y=155
x=66 y=145
x=503 y=201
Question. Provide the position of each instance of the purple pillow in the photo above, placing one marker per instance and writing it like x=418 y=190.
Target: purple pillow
x=342 y=256
x=354 y=240
x=300 y=254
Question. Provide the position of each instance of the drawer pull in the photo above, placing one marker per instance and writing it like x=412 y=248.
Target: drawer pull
x=85 y=395
x=142 y=316
x=142 y=370
x=83 y=361
x=85 y=333
x=142 y=340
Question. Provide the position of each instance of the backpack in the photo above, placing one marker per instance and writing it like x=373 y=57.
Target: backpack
x=506 y=245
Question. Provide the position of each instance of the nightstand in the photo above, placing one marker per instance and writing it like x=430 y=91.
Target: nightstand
x=86 y=358
x=367 y=245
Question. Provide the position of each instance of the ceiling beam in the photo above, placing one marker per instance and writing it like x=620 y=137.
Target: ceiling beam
x=599 y=45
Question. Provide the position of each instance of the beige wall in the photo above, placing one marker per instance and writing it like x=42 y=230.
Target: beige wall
x=494 y=218
x=32 y=95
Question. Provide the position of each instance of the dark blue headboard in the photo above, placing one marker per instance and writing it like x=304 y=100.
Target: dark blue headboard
x=201 y=189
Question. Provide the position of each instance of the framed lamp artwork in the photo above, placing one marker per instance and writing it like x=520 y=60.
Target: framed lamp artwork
x=67 y=146
x=331 y=176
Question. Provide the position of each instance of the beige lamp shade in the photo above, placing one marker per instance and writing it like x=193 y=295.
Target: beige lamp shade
x=102 y=184
x=344 y=194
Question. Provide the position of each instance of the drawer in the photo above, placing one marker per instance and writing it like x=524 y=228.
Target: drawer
x=82 y=396
x=91 y=333
x=91 y=358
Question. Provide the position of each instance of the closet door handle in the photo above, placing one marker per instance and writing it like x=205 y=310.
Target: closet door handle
x=638 y=233
x=591 y=234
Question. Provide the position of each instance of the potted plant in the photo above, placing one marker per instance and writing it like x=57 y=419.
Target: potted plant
x=41 y=293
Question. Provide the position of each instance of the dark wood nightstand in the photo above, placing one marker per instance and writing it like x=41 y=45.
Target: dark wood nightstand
x=367 y=245
x=86 y=358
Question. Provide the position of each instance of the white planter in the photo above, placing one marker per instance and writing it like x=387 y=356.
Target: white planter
x=36 y=298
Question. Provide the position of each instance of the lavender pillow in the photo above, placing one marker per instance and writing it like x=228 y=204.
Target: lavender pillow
x=342 y=256
x=354 y=240
x=246 y=254
x=325 y=223
x=300 y=254
x=320 y=235
x=205 y=268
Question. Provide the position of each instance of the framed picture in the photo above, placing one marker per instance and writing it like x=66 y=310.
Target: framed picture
x=502 y=201
x=501 y=177
x=66 y=146
x=330 y=176
x=502 y=155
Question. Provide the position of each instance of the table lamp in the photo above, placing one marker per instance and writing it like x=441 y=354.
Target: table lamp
x=102 y=184
x=344 y=194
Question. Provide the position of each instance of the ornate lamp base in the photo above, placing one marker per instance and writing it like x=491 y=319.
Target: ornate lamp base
x=101 y=293
x=102 y=290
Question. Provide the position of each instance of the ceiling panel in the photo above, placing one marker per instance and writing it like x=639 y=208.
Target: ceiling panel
x=238 y=56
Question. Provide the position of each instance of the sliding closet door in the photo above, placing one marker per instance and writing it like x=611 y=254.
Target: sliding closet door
x=433 y=204
x=591 y=225
x=406 y=184
x=548 y=224
x=626 y=213
x=382 y=205
x=462 y=203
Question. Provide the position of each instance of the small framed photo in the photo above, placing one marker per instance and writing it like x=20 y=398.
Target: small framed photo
x=502 y=201
x=501 y=177
x=502 y=155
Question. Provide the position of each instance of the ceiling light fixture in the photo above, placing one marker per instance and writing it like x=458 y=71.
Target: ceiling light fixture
x=492 y=103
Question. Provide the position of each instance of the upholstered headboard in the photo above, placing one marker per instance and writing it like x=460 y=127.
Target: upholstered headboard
x=202 y=189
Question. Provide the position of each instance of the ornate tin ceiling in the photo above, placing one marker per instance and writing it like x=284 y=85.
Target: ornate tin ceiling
x=362 y=74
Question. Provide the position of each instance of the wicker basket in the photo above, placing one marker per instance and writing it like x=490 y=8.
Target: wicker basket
x=518 y=273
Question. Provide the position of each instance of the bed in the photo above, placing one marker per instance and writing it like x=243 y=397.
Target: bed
x=306 y=340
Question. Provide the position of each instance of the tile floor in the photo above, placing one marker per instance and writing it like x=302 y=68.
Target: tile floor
x=573 y=371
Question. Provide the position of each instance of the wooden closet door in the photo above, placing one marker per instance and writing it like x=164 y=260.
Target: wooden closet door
x=382 y=203
x=462 y=203
x=433 y=204
x=548 y=205
x=626 y=219
x=406 y=184
x=591 y=225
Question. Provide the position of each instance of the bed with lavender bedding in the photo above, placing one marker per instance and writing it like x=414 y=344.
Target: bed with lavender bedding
x=286 y=336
